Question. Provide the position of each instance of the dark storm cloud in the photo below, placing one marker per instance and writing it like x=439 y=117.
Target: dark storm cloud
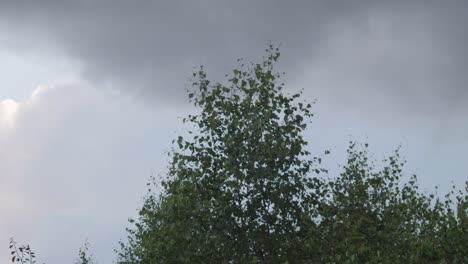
x=149 y=47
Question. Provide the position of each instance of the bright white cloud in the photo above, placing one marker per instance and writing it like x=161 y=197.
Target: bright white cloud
x=8 y=109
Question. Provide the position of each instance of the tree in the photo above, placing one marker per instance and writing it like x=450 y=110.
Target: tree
x=370 y=215
x=242 y=188
x=239 y=187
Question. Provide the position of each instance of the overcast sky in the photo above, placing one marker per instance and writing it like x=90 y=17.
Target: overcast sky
x=91 y=95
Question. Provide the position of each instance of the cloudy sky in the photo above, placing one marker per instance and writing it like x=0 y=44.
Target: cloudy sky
x=91 y=95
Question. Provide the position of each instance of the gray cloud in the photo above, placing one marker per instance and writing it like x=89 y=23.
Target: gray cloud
x=149 y=48
x=157 y=44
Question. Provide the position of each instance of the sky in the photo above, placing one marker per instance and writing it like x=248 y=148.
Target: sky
x=92 y=94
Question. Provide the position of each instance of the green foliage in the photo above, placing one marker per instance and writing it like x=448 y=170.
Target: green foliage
x=369 y=216
x=84 y=257
x=238 y=188
x=21 y=254
x=24 y=254
x=244 y=189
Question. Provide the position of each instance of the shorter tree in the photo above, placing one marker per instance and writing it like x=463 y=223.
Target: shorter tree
x=370 y=215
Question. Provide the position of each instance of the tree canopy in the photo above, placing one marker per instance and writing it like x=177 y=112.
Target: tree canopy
x=243 y=188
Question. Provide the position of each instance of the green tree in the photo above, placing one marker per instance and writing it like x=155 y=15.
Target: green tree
x=242 y=188
x=239 y=187
x=372 y=216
